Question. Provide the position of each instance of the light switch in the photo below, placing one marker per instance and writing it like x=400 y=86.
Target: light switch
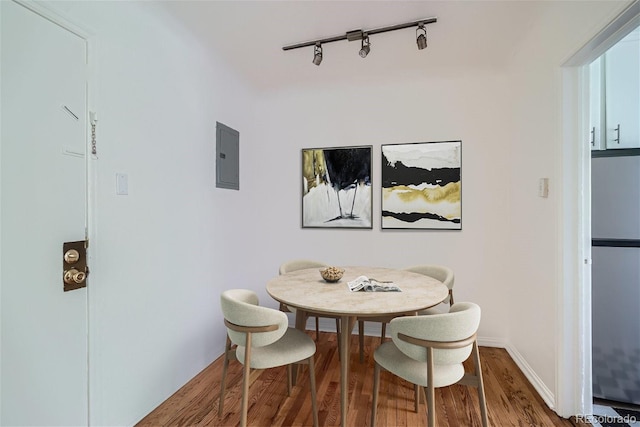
x=543 y=187
x=122 y=184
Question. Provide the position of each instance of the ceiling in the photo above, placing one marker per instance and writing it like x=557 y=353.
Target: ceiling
x=249 y=36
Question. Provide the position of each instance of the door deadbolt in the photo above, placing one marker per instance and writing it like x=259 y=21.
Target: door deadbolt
x=74 y=277
x=74 y=265
x=71 y=256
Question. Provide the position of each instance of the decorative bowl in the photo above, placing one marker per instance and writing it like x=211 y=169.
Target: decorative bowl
x=332 y=274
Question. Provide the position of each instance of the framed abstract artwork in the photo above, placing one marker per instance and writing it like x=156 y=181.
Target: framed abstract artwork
x=421 y=185
x=336 y=187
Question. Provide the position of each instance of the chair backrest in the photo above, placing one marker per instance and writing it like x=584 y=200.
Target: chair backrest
x=461 y=322
x=438 y=272
x=240 y=307
x=300 y=264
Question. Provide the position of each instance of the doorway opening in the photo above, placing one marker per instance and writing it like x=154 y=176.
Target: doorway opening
x=615 y=223
x=575 y=362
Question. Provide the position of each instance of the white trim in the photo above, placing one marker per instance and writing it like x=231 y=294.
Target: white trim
x=43 y=9
x=492 y=342
x=531 y=375
x=622 y=25
x=573 y=339
x=373 y=329
x=92 y=226
x=1 y=210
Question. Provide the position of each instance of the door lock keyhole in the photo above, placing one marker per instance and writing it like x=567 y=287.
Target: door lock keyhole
x=74 y=277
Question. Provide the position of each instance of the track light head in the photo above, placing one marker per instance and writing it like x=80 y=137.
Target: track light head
x=365 y=49
x=421 y=37
x=317 y=54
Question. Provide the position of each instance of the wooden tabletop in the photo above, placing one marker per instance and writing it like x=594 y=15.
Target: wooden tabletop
x=307 y=290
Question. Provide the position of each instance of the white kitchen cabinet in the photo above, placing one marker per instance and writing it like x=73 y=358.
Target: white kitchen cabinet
x=622 y=93
x=596 y=107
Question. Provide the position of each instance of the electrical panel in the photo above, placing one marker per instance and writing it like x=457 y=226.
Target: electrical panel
x=227 y=157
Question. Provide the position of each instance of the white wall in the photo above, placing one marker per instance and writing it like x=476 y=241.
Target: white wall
x=535 y=225
x=467 y=106
x=507 y=258
x=164 y=252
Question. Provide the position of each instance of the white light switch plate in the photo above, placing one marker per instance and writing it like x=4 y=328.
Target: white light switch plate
x=122 y=184
x=543 y=187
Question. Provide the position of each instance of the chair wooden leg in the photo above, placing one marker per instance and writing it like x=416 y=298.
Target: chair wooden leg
x=225 y=366
x=245 y=382
x=416 y=390
x=301 y=325
x=361 y=339
x=376 y=386
x=431 y=407
x=312 y=384
x=483 y=403
x=317 y=328
x=289 y=375
x=383 y=334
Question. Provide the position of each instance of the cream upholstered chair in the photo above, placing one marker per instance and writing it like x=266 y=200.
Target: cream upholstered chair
x=441 y=273
x=262 y=340
x=438 y=272
x=429 y=350
x=301 y=264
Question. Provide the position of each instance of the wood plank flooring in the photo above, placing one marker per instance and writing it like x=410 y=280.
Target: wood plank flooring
x=511 y=400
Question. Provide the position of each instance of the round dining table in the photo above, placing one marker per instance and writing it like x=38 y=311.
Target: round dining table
x=309 y=293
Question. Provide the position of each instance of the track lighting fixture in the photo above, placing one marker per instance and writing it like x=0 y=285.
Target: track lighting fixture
x=317 y=54
x=421 y=38
x=365 y=49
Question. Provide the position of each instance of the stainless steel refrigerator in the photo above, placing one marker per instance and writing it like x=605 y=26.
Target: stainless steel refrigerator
x=616 y=277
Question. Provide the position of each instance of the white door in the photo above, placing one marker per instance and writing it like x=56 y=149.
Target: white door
x=43 y=193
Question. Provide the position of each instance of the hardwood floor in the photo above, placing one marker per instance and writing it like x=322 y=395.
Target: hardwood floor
x=511 y=400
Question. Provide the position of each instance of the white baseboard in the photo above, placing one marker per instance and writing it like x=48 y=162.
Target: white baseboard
x=533 y=378
x=491 y=342
x=329 y=325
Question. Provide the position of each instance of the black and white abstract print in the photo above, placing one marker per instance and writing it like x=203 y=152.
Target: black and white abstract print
x=421 y=185
x=336 y=187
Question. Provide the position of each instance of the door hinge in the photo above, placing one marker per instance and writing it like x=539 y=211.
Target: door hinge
x=93 y=119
